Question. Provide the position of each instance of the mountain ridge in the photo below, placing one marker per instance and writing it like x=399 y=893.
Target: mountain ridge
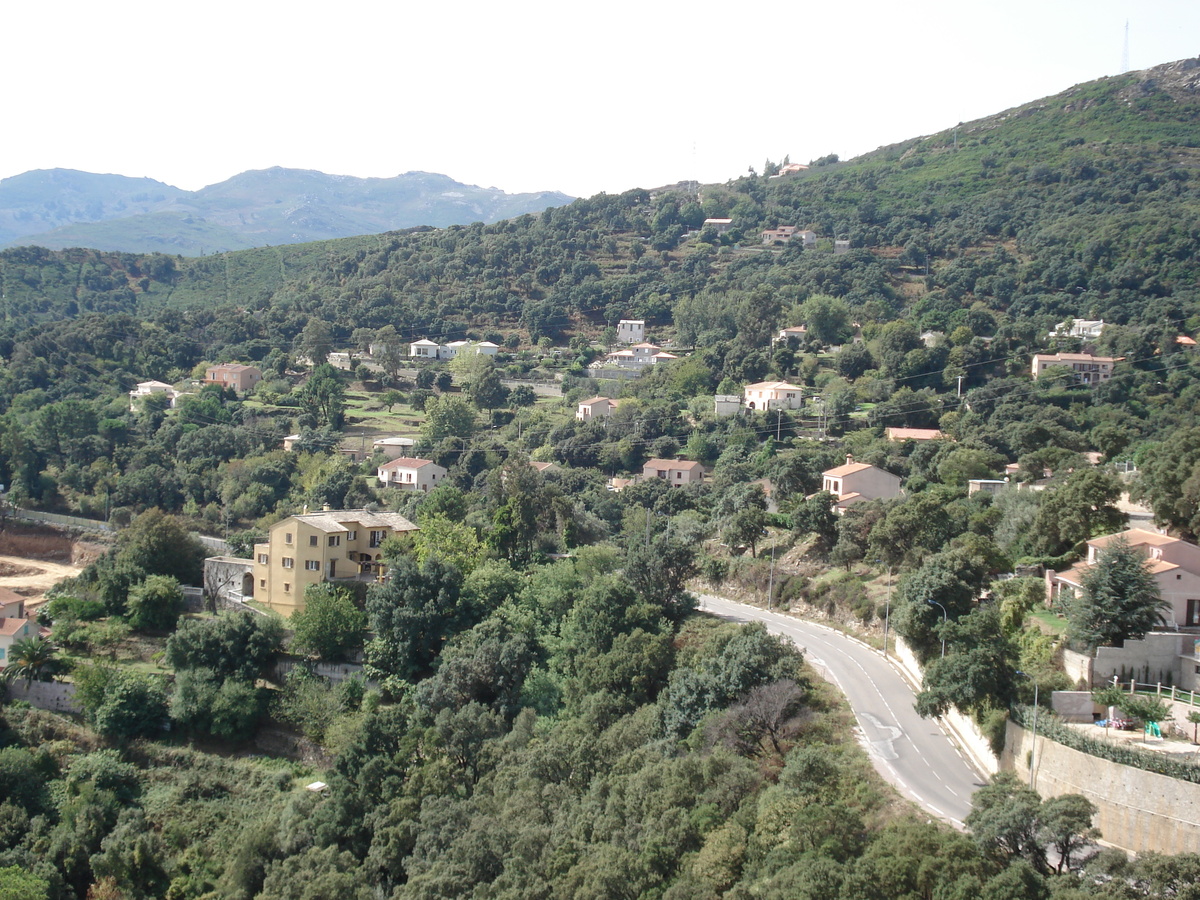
x=62 y=208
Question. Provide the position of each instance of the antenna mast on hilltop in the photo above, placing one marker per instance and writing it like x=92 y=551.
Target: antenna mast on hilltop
x=1125 y=51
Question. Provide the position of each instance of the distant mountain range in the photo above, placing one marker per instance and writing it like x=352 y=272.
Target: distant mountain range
x=61 y=208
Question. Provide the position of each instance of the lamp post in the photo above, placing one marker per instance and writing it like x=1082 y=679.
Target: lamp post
x=1033 y=752
x=887 y=610
x=771 y=581
x=945 y=617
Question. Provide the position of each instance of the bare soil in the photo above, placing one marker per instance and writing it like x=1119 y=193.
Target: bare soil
x=33 y=559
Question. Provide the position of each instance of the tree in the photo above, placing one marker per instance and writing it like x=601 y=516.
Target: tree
x=447 y=416
x=827 y=318
x=234 y=645
x=979 y=671
x=1080 y=508
x=1119 y=599
x=17 y=884
x=315 y=341
x=389 y=351
x=1004 y=821
x=205 y=703
x=412 y=615
x=160 y=544
x=330 y=625
x=121 y=704
x=1065 y=823
x=156 y=604
x=322 y=400
x=487 y=391
x=32 y=659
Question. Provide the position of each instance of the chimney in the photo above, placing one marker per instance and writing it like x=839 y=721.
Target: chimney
x=326 y=508
x=849 y=459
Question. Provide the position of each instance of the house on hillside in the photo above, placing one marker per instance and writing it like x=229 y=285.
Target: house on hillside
x=768 y=395
x=675 y=472
x=1086 y=368
x=423 y=349
x=913 y=434
x=1174 y=563
x=726 y=405
x=233 y=376
x=12 y=604
x=312 y=548
x=391 y=447
x=799 y=332
x=631 y=331
x=857 y=482
x=720 y=226
x=146 y=389
x=595 y=408
x=410 y=474
x=639 y=356
x=12 y=630
x=780 y=235
x=1088 y=329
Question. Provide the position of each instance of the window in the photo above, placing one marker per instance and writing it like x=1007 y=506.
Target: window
x=377 y=538
x=287 y=588
x=262 y=582
x=352 y=535
x=287 y=538
x=312 y=565
x=313 y=540
x=263 y=559
x=335 y=540
x=288 y=562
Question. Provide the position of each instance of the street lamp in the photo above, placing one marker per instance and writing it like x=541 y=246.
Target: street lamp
x=887 y=610
x=945 y=617
x=1033 y=752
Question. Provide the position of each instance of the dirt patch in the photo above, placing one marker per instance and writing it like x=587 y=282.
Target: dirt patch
x=8 y=570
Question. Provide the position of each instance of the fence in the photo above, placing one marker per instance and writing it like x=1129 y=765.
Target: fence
x=30 y=515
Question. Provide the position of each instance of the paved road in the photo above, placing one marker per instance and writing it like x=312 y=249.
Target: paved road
x=912 y=753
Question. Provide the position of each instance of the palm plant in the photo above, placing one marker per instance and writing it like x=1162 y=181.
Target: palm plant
x=31 y=659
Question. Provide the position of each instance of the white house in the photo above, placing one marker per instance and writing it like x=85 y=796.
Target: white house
x=764 y=395
x=856 y=482
x=1089 y=329
x=411 y=474
x=1087 y=368
x=487 y=348
x=146 y=389
x=452 y=349
x=726 y=405
x=595 y=408
x=675 y=472
x=799 y=332
x=392 y=447
x=631 y=331
x=13 y=630
x=719 y=225
x=423 y=349
x=640 y=355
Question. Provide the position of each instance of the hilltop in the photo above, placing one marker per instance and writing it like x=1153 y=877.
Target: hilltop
x=60 y=208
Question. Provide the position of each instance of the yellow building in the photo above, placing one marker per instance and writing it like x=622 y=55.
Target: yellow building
x=337 y=545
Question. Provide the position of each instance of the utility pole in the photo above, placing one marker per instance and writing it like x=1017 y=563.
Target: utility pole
x=960 y=381
x=771 y=581
x=779 y=425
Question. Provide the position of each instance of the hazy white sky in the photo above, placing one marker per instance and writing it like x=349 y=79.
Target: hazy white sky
x=531 y=94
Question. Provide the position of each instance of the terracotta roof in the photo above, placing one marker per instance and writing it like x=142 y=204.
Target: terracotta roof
x=684 y=464
x=1185 y=341
x=913 y=434
x=541 y=466
x=8 y=596
x=591 y=400
x=406 y=462
x=334 y=520
x=773 y=385
x=9 y=627
x=1075 y=357
x=848 y=469
x=1136 y=537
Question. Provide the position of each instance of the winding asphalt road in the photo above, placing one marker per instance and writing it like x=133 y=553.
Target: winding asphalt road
x=914 y=754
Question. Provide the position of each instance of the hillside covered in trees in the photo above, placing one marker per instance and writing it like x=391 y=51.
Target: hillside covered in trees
x=549 y=717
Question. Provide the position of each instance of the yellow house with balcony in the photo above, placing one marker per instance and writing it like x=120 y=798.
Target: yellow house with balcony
x=335 y=545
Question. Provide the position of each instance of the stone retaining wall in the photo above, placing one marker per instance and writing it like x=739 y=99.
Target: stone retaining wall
x=1138 y=811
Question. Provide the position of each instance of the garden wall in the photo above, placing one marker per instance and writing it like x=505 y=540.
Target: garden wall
x=1138 y=811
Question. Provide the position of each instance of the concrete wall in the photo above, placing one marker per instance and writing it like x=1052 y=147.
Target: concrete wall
x=1138 y=811
x=1078 y=667
x=1074 y=706
x=1158 y=652
x=55 y=696
x=964 y=728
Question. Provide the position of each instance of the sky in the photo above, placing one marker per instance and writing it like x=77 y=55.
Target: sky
x=535 y=95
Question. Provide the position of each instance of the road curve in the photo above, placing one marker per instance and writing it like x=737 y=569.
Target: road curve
x=914 y=754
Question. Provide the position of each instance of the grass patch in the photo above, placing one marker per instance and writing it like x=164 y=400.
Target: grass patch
x=1048 y=620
